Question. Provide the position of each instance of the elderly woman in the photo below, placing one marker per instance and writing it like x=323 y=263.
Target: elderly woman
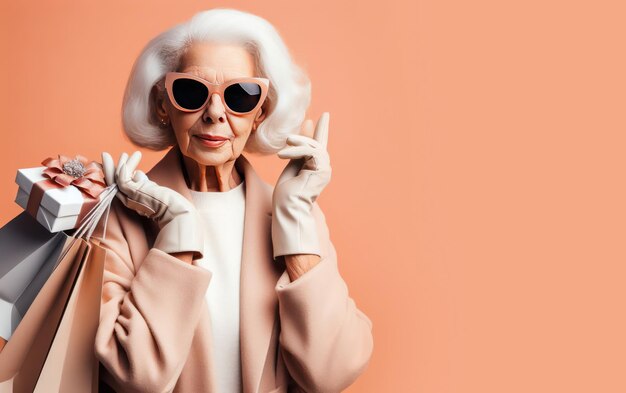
x=214 y=280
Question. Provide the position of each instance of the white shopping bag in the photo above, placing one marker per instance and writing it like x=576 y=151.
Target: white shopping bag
x=28 y=255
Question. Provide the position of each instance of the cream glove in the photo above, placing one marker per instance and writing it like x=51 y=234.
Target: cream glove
x=294 y=229
x=180 y=225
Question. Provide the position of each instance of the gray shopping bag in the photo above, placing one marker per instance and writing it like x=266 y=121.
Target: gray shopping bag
x=28 y=255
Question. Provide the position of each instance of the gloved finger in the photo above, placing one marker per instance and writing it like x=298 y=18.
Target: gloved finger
x=125 y=183
x=108 y=168
x=123 y=177
x=122 y=161
x=133 y=161
x=125 y=188
x=321 y=130
x=297 y=152
x=301 y=140
x=139 y=176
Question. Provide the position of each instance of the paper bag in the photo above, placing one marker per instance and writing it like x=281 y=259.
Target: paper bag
x=52 y=348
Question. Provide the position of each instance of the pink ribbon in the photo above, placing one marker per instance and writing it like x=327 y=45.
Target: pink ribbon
x=92 y=182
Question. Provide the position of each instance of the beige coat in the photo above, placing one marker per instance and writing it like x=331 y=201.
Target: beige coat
x=155 y=330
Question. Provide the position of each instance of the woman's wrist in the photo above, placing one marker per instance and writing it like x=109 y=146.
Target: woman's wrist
x=298 y=264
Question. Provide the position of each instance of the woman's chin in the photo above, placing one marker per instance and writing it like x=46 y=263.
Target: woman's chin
x=210 y=158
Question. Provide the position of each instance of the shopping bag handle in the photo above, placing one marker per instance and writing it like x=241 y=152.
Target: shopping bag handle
x=89 y=223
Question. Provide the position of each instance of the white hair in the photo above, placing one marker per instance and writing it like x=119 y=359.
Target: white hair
x=287 y=99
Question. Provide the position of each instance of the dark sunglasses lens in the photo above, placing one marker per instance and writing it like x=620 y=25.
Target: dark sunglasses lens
x=189 y=93
x=242 y=97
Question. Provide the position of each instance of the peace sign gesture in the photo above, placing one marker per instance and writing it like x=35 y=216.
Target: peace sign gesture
x=298 y=186
x=306 y=152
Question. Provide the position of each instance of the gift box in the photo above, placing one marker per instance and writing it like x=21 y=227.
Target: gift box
x=60 y=193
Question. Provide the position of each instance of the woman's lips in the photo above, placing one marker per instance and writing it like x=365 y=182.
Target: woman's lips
x=212 y=141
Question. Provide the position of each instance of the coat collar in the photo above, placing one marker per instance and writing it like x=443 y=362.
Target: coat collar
x=259 y=272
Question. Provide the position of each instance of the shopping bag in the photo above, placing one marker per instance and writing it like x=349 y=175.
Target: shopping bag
x=66 y=186
x=52 y=348
x=28 y=352
x=77 y=333
x=71 y=365
x=29 y=254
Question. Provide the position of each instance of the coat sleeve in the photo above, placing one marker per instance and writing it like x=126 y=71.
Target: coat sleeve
x=149 y=312
x=326 y=341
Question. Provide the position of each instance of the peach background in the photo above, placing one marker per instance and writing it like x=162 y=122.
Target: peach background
x=477 y=201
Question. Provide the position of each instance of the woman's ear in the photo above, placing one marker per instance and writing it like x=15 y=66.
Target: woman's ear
x=259 y=118
x=157 y=97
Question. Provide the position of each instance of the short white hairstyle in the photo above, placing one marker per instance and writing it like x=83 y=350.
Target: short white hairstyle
x=287 y=100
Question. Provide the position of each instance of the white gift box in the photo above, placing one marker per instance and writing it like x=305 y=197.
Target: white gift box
x=60 y=208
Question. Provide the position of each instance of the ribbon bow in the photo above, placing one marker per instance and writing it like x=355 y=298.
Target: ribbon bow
x=79 y=172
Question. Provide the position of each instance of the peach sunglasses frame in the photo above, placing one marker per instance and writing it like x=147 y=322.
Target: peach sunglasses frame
x=170 y=77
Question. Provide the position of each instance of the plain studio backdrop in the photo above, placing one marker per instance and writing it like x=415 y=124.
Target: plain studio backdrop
x=478 y=196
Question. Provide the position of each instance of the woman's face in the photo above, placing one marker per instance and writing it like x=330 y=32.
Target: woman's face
x=215 y=63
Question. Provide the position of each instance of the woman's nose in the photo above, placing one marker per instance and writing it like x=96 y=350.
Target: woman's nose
x=214 y=111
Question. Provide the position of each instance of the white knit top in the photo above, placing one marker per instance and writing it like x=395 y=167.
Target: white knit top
x=223 y=215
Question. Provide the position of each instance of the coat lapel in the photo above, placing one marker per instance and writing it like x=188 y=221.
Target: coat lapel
x=259 y=273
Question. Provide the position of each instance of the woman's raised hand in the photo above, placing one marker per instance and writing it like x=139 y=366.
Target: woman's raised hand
x=179 y=222
x=301 y=182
